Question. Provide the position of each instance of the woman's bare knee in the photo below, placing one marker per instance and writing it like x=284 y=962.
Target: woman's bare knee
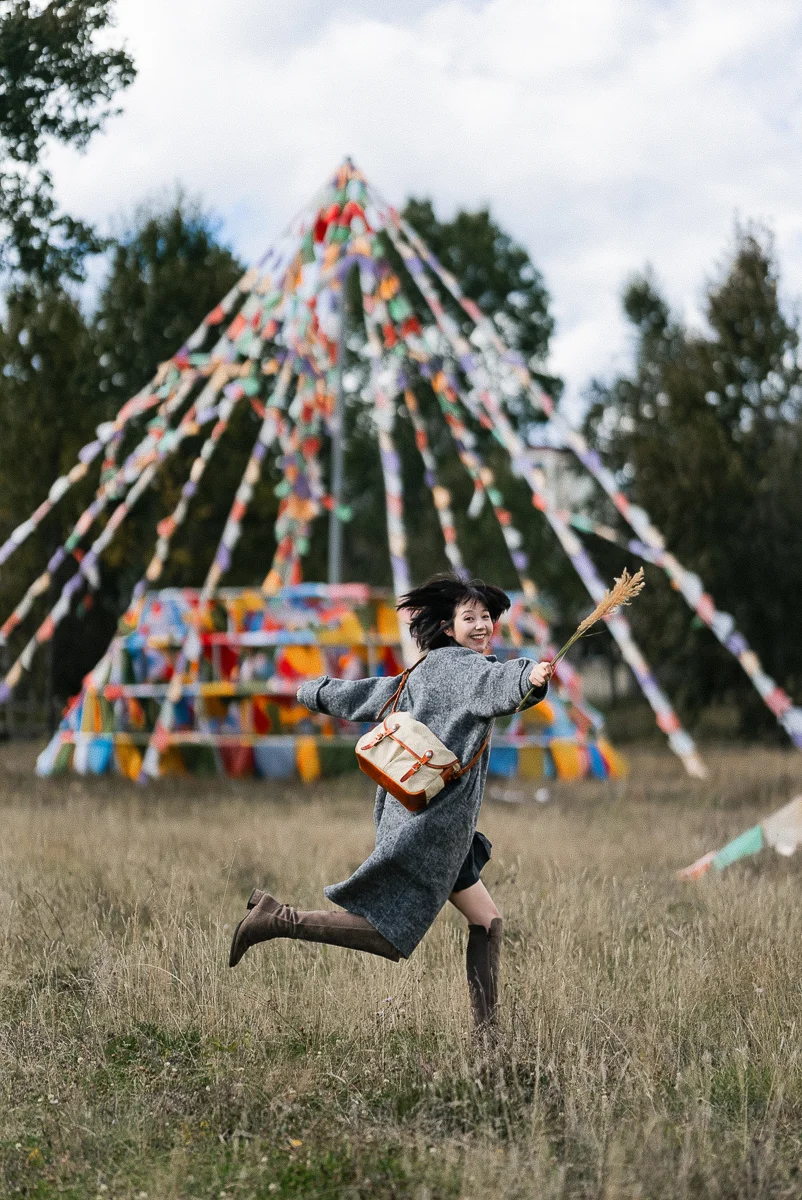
x=476 y=905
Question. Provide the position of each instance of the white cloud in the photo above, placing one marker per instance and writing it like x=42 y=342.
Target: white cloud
x=603 y=133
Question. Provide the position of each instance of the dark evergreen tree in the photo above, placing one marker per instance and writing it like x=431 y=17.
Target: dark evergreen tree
x=168 y=268
x=50 y=404
x=705 y=433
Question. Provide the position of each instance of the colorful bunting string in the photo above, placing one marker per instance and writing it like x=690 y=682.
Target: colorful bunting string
x=686 y=582
x=440 y=495
x=378 y=319
x=480 y=393
x=88 y=565
x=190 y=652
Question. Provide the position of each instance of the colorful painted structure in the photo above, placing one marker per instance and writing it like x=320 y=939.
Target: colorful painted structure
x=275 y=342
x=238 y=716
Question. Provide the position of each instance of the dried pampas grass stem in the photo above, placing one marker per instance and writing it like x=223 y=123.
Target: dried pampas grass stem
x=623 y=592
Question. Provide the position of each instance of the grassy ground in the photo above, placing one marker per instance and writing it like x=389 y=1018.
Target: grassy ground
x=651 y=1030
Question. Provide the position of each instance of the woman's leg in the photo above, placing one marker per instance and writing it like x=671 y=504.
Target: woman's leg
x=268 y=919
x=483 y=956
x=476 y=905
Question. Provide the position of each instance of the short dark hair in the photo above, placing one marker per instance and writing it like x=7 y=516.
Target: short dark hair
x=435 y=602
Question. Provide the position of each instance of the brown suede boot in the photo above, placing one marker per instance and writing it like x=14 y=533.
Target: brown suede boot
x=483 y=961
x=269 y=919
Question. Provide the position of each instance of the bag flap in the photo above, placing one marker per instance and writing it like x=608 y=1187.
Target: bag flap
x=418 y=739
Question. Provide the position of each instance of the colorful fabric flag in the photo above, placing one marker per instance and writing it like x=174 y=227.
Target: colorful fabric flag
x=782 y=831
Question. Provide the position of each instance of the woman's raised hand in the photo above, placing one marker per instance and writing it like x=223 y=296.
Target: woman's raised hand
x=540 y=674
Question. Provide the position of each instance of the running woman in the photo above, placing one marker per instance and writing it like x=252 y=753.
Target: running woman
x=422 y=860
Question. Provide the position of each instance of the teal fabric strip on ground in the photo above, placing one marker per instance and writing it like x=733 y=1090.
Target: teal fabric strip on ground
x=748 y=843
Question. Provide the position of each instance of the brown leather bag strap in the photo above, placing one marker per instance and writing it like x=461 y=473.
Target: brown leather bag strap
x=474 y=760
x=396 y=696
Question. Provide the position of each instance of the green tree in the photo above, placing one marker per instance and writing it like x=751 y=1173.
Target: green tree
x=705 y=434
x=49 y=406
x=168 y=269
x=56 y=84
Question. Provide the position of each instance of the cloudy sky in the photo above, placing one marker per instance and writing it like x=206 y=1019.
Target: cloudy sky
x=604 y=134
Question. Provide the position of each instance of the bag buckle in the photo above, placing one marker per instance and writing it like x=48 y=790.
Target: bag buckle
x=386 y=731
x=414 y=770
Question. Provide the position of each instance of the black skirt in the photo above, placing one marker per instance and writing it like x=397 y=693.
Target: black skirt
x=478 y=857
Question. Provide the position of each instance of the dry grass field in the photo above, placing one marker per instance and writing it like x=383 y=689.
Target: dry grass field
x=651 y=1032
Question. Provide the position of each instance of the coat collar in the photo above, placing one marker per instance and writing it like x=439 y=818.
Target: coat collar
x=462 y=650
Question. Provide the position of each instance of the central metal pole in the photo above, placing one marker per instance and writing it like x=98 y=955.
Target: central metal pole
x=338 y=449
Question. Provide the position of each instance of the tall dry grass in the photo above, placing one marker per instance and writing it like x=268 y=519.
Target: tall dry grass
x=650 y=1030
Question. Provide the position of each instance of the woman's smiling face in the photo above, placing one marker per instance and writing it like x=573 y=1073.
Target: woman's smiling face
x=472 y=626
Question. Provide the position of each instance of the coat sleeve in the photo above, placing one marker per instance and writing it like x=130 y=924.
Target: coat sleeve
x=496 y=689
x=351 y=699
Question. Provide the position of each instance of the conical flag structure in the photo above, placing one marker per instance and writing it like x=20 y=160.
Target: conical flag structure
x=276 y=342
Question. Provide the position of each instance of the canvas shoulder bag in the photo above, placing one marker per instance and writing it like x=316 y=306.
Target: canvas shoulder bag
x=404 y=757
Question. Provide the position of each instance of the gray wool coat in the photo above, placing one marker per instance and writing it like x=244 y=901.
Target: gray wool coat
x=408 y=878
